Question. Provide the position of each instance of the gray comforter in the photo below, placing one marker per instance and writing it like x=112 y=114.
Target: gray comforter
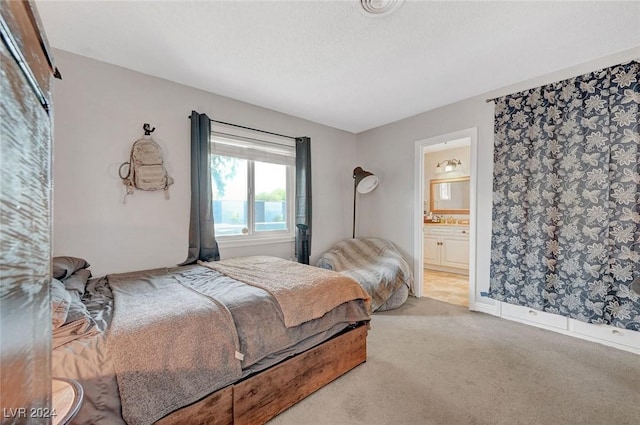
x=262 y=337
x=170 y=345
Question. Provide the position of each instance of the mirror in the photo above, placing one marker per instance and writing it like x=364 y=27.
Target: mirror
x=449 y=196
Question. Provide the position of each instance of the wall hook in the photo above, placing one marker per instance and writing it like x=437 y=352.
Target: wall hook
x=147 y=129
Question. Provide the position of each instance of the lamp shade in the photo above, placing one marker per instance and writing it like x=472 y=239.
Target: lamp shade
x=364 y=180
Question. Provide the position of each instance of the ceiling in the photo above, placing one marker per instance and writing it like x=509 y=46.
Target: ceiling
x=326 y=61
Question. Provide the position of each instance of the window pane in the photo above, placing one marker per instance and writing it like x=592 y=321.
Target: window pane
x=445 y=191
x=229 y=187
x=271 y=197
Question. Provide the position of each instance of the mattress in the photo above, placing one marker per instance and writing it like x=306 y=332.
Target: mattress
x=263 y=338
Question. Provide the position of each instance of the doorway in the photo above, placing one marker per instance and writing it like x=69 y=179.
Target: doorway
x=446 y=221
x=444 y=232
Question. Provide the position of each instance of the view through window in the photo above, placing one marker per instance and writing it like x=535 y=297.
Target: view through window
x=252 y=186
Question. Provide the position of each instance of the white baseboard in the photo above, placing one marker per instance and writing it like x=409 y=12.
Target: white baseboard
x=622 y=339
x=485 y=308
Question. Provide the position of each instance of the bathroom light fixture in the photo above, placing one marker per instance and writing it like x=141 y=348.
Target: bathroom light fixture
x=380 y=7
x=363 y=182
x=447 y=165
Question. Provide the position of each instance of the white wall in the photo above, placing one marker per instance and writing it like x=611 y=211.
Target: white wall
x=99 y=112
x=388 y=152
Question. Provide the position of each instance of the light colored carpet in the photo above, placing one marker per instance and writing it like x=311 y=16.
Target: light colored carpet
x=435 y=363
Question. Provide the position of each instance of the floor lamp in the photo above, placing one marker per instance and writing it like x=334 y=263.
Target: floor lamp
x=363 y=182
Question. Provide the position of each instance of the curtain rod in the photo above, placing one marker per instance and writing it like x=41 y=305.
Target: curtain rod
x=252 y=129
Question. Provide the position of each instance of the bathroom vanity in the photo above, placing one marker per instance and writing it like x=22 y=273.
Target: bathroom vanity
x=446 y=247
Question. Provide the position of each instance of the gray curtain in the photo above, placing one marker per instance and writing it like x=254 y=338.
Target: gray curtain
x=303 y=199
x=566 y=200
x=202 y=240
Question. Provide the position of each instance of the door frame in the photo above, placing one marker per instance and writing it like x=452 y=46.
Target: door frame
x=419 y=185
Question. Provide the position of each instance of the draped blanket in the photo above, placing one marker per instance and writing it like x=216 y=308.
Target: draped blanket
x=374 y=263
x=170 y=345
x=303 y=292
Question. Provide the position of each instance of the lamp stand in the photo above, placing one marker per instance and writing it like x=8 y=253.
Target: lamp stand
x=355 y=185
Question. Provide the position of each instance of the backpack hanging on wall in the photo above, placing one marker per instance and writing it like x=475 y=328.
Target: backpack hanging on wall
x=145 y=168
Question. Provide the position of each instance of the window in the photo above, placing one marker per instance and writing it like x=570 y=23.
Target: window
x=253 y=185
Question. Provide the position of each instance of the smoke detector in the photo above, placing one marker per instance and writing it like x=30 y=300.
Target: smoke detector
x=380 y=7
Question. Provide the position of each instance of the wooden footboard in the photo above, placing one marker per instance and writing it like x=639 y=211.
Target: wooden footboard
x=261 y=397
x=214 y=409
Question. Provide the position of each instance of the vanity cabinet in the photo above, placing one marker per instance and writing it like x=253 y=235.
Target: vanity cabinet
x=446 y=248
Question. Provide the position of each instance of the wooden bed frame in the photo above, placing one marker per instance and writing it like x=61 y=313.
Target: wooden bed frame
x=260 y=397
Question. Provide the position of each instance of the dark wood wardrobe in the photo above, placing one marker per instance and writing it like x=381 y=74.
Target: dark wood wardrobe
x=25 y=215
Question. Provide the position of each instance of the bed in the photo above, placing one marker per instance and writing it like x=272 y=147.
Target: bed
x=207 y=343
x=377 y=265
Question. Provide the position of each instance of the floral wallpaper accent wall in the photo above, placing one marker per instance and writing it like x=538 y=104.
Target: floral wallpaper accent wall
x=566 y=197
